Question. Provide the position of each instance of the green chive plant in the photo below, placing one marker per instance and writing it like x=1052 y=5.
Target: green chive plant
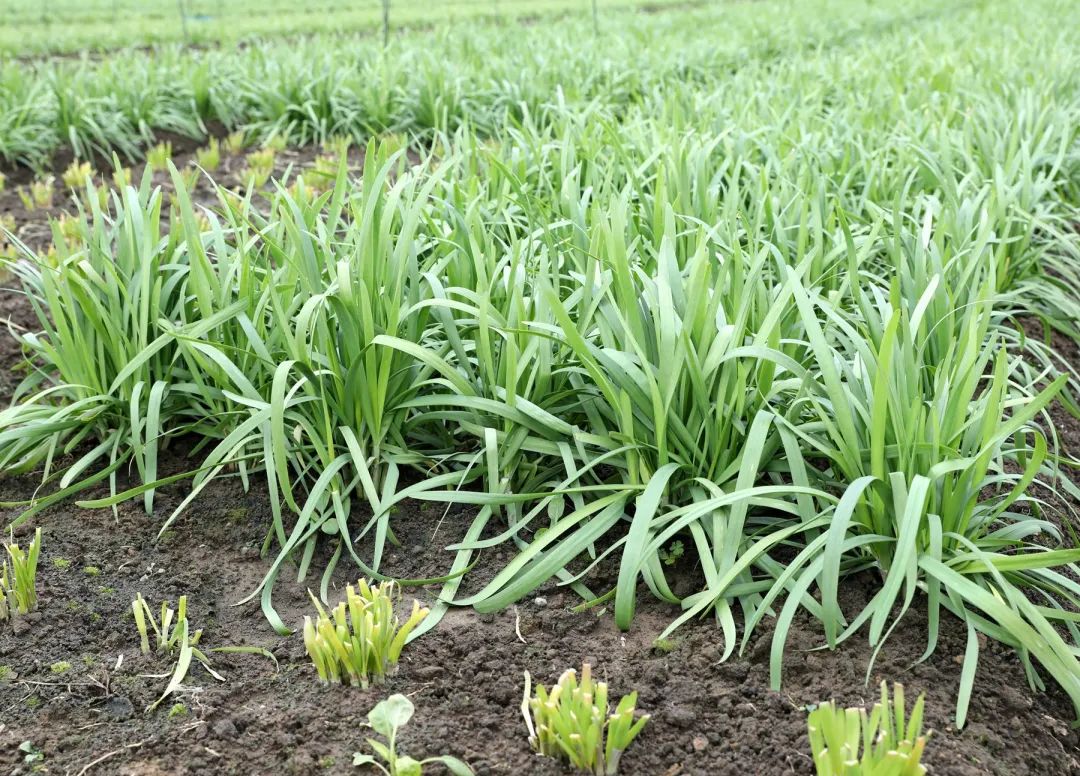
x=614 y=307
x=77 y=175
x=886 y=742
x=18 y=578
x=260 y=166
x=158 y=157
x=387 y=719
x=360 y=640
x=209 y=158
x=574 y=722
x=107 y=382
x=173 y=638
x=235 y=142
x=169 y=629
x=922 y=420
x=39 y=196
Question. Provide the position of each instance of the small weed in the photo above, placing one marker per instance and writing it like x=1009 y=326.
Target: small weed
x=360 y=640
x=92 y=571
x=275 y=143
x=178 y=710
x=573 y=721
x=31 y=754
x=387 y=719
x=337 y=146
x=884 y=741
x=665 y=646
x=61 y=563
x=60 y=667
x=191 y=177
x=673 y=553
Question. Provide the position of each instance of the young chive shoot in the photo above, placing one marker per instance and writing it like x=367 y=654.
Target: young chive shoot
x=172 y=637
x=18 y=578
x=572 y=722
x=360 y=640
x=885 y=742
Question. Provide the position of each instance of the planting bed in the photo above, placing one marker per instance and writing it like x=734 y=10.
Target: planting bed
x=708 y=716
x=738 y=345
x=465 y=677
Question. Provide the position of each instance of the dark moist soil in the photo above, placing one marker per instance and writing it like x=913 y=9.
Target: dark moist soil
x=708 y=716
x=465 y=677
x=32 y=227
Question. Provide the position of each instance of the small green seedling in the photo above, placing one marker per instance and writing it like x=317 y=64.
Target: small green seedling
x=209 y=158
x=275 y=143
x=76 y=176
x=70 y=230
x=386 y=719
x=850 y=742
x=673 y=553
x=92 y=571
x=157 y=158
x=60 y=667
x=235 y=142
x=665 y=646
x=178 y=710
x=31 y=754
x=260 y=166
x=361 y=639
x=168 y=631
x=572 y=722
x=190 y=177
x=172 y=636
x=18 y=578
x=39 y=196
x=324 y=172
x=337 y=146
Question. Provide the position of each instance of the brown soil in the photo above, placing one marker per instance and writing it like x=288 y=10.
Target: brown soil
x=708 y=717
x=465 y=678
x=32 y=226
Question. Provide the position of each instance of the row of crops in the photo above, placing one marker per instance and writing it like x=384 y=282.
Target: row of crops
x=777 y=287
x=744 y=60
x=40 y=27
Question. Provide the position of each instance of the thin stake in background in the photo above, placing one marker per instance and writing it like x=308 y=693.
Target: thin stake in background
x=183 y=20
